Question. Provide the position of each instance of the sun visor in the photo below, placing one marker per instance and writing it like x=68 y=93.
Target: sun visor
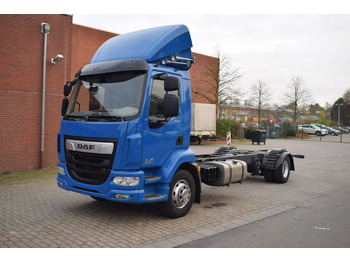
x=114 y=66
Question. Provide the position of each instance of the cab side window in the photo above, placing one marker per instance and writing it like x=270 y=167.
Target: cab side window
x=156 y=110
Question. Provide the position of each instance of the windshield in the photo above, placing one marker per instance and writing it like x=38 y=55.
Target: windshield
x=107 y=97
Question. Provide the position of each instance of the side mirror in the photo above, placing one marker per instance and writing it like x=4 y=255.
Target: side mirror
x=68 y=86
x=67 y=89
x=171 y=105
x=64 y=106
x=93 y=90
x=171 y=83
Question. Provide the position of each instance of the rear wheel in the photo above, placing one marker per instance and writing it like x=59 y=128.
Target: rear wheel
x=181 y=195
x=281 y=175
x=268 y=175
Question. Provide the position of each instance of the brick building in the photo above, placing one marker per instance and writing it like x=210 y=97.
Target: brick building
x=21 y=83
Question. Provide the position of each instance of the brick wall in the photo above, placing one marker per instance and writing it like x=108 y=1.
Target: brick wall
x=200 y=79
x=21 y=64
x=85 y=42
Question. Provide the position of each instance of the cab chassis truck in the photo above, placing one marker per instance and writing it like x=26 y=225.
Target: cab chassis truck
x=125 y=131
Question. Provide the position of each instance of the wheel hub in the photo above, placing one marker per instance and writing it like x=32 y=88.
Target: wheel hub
x=285 y=169
x=181 y=194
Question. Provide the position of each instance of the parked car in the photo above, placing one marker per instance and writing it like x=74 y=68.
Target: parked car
x=346 y=129
x=340 y=129
x=332 y=131
x=312 y=129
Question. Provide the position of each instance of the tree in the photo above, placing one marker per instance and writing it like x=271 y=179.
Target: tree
x=315 y=109
x=295 y=98
x=342 y=106
x=217 y=82
x=260 y=97
x=346 y=96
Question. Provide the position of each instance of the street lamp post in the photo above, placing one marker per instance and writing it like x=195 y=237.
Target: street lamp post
x=341 y=131
x=339 y=114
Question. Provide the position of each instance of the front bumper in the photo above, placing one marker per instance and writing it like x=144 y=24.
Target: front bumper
x=108 y=190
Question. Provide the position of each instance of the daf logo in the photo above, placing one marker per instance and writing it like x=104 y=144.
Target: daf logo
x=91 y=147
x=86 y=147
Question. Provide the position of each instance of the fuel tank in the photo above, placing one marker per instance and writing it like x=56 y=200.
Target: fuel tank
x=223 y=173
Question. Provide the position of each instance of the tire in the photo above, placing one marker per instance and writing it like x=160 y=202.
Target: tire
x=268 y=175
x=181 y=195
x=281 y=175
x=318 y=133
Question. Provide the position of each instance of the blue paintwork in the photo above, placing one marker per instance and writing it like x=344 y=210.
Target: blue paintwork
x=151 y=45
x=141 y=150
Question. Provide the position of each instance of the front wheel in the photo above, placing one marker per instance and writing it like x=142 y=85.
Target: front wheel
x=318 y=133
x=181 y=195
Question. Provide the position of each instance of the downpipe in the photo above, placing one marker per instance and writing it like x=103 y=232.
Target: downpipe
x=45 y=29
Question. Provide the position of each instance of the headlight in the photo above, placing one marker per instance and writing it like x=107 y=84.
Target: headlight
x=126 y=180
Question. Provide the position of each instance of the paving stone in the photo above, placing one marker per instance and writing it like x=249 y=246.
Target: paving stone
x=39 y=214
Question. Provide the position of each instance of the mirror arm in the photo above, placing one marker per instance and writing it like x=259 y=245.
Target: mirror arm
x=68 y=86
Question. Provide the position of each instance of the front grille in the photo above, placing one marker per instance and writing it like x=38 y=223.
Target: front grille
x=89 y=168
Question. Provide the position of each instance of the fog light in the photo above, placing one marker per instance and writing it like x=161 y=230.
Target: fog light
x=60 y=184
x=61 y=170
x=122 y=196
x=126 y=180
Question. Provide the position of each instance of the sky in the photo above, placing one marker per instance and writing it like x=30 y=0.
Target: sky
x=271 y=40
x=271 y=48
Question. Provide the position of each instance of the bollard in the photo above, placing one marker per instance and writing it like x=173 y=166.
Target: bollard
x=228 y=139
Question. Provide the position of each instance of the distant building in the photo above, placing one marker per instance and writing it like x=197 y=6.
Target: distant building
x=249 y=114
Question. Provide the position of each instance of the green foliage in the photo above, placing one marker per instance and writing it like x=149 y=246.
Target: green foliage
x=224 y=125
x=287 y=129
x=291 y=132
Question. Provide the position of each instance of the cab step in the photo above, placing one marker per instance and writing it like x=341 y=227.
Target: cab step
x=152 y=179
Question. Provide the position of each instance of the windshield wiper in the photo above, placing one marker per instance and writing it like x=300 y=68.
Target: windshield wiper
x=73 y=117
x=98 y=118
x=107 y=117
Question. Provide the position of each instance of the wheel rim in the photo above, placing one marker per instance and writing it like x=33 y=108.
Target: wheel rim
x=285 y=169
x=181 y=194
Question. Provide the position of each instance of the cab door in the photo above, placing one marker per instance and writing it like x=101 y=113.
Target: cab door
x=162 y=135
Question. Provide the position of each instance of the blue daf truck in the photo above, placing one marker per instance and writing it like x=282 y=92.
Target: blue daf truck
x=125 y=132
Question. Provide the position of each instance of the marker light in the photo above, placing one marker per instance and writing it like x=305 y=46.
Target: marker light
x=61 y=170
x=122 y=196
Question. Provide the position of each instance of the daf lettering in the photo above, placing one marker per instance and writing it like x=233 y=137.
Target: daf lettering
x=86 y=147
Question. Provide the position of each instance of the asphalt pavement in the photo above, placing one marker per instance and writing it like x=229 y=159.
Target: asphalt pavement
x=322 y=225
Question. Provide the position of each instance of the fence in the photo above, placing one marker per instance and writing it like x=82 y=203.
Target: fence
x=284 y=131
